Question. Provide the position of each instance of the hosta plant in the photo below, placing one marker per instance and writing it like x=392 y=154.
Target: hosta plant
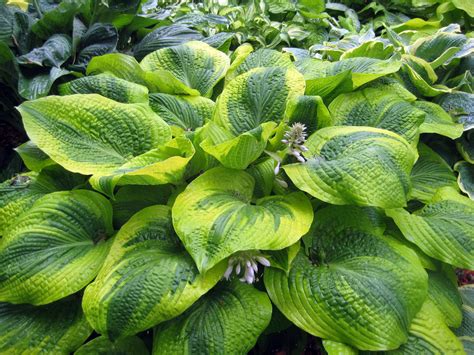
x=187 y=200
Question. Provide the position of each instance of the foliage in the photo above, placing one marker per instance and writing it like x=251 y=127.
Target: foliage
x=223 y=172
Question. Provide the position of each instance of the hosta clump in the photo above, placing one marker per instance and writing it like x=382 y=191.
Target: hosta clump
x=206 y=195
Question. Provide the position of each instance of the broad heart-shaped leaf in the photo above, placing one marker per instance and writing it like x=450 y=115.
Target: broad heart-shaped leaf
x=20 y=192
x=91 y=134
x=103 y=346
x=56 y=248
x=443 y=292
x=54 y=52
x=146 y=279
x=465 y=177
x=309 y=110
x=429 y=334
x=430 y=173
x=438 y=121
x=57 y=328
x=108 y=86
x=355 y=165
x=163 y=165
x=33 y=157
x=355 y=287
x=196 y=65
x=214 y=217
x=256 y=97
x=38 y=85
x=377 y=107
x=235 y=152
x=226 y=320
x=186 y=112
x=264 y=58
x=443 y=229
x=121 y=65
x=460 y=105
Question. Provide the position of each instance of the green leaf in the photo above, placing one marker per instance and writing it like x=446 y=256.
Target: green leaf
x=355 y=287
x=56 y=248
x=430 y=173
x=91 y=134
x=255 y=97
x=443 y=229
x=103 y=346
x=465 y=5
x=438 y=121
x=146 y=279
x=465 y=145
x=236 y=152
x=39 y=85
x=121 y=65
x=264 y=58
x=336 y=348
x=163 y=165
x=465 y=177
x=377 y=107
x=460 y=105
x=58 y=328
x=163 y=37
x=108 y=86
x=429 y=334
x=186 y=112
x=309 y=110
x=263 y=171
x=33 y=157
x=443 y=292
x=355 y=165
x=214 y=217
x=228 y=319
x=53 y=53
x=196 y=66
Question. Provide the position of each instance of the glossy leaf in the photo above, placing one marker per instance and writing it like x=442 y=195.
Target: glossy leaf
x=465 y=177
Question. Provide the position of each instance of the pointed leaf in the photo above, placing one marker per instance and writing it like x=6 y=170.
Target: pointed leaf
x=438 y=121
x=465 y=177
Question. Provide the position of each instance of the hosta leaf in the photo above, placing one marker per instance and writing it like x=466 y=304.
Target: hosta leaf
x=336 y=348
x=108 y=86
x=228 y=319
x=39 y=85
x=56 y=248
x=57 y=328
x=355 y=165
x=237 y=57
x=465 y=177
x=263 y=171
x=236 y=152
x=214 y=217
x=121 y=65
x=195 y=65
x=33 y=157
x=429 y=334
x=377 y=107
x=146 y=279
x=309 y=110
x=264 y=58
x=443 y=229
x=165 y=36
x=53 y=53
x=356 y=287
x=255 y=97
x=465 y=5
x=465 y=145
x=20 y=192
x=444 y=294
x=158 y=166
x=438 y=121
x=460 y=105
x=103 y=346
x=430 y=173
x=186 y=112
x=91 y=134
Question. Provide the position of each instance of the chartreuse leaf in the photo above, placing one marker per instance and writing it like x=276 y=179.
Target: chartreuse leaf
x=192 y=68
x=33 y=157
x=355 y=287
x=430 y=173
x=438 y=121
x=237 y=57
x=429 y=334
x=264 y=58
x=214 y=217
x=466 y=331
x=336 y=348
x=309 y=110
x=57 y=328
x=443 y=229
x=377 y=107
x=91 y=134
x=146 y=279
x=56 y=248
x=108 y=86
x=121 y=65
x=256 y=97
x=20 y=192
x=103 y=346
x=186 y=112
x=443 y=292
x=355 y=165
x=163 y=165
x=465 y=177
x=226 y=320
